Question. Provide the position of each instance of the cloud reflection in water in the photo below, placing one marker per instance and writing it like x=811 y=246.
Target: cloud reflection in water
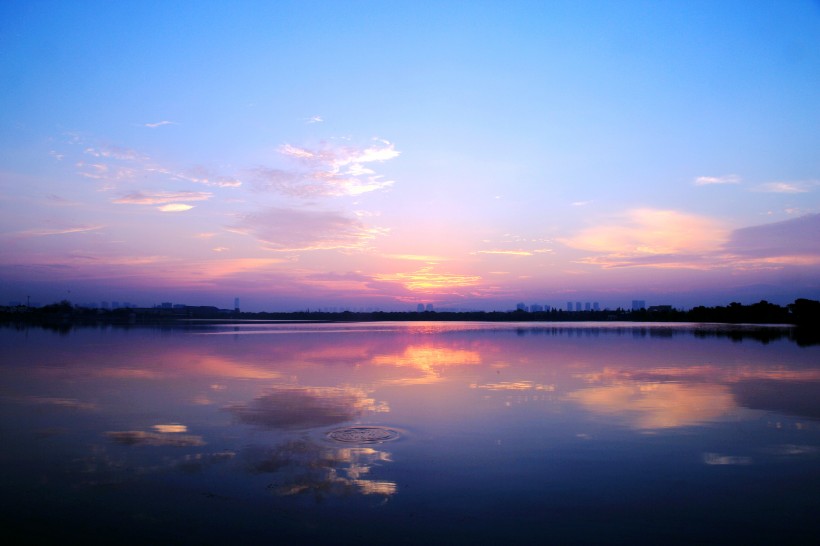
x=304 y=467
x=138 y=437
x=298 y=407
x=647 y=405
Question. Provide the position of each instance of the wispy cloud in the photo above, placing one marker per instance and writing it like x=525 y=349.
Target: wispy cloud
x=159 y=124
x=59 y=231
x=103 y=171
x=788 y=187
x=115 y=152
x=202 y=175
x=334 y=158
x=284 y=229
x=712 y=180
x=329 y=170
x=314 y=119
x=160 y=198
x=116 y=163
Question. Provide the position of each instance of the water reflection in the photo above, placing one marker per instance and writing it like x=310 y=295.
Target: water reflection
x=658 y=405
x=139 y=437
x=299 y=407
x=787 y=396
x=303 y=467
x=427 y=363
x=509 y=428
x=668 y=396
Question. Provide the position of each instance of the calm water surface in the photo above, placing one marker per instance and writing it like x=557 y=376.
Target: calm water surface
x=470 y=434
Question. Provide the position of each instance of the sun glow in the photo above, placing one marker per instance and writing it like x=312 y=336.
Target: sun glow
x=426 y=280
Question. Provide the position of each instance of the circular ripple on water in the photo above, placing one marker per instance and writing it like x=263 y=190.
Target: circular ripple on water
x=363 y=435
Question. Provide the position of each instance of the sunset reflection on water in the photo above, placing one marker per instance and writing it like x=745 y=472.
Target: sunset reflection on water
x=488 y=414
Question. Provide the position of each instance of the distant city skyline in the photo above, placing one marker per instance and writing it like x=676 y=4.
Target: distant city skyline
x=573 y=307
x=381 y=154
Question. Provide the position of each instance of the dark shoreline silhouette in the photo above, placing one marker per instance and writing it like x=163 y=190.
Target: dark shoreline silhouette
x=802 y=311
x=799 y=321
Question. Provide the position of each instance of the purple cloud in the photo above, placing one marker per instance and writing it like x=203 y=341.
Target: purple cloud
x=290 y=230
x=795 y=237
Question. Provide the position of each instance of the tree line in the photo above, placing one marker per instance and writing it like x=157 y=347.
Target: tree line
x=801 y=312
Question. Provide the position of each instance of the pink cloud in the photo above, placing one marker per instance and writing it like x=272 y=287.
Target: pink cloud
x=295 y=230
x=650 y=237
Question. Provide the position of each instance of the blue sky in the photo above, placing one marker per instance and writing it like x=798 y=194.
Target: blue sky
x=380 y=154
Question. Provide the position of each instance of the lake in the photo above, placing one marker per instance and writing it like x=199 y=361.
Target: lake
x=409 y=433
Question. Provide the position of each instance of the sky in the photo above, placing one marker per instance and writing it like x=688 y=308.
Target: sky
x=377 y=155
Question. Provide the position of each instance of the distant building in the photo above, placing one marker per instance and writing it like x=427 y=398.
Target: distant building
x=536 y=308
x=236 y=305
x=429 y=307
x=569 y=306
x=420 y=308
x=595 y=306
x=521 y=306
x=577 y=305
x=638 y=305
x=587 y=306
